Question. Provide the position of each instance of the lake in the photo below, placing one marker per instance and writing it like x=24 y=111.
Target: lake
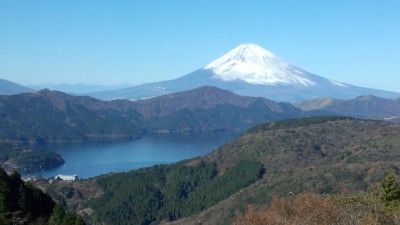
x=96 y=158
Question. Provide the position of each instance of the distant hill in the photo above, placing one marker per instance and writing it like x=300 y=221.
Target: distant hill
x=21 y=158
x=322 y=154
x=251 y=70
x=366 y=106
x=78 y=88
x=9 y=88
x=210 y=108
x=49 y=116
x=56 y=116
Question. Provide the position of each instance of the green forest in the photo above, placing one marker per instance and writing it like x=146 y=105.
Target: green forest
x=169 y=192
x=279 y=160
x=27 y=159
x=22 y=203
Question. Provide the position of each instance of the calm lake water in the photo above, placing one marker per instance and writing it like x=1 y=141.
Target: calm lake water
x=95 y=158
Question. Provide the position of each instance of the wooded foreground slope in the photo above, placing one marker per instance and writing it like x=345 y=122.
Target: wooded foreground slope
x=322 y=154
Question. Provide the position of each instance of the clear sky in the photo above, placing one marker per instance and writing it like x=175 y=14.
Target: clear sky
x=117 y=41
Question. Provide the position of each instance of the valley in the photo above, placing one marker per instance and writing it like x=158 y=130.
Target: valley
x=161 y=158
x=351 y=155
x=56 y=117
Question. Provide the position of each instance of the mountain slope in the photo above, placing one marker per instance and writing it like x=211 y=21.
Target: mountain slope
x=22 y=203
x=56 y=116
x=323 y=154
x=250 y=70
x=8 y=88
x=210 y=108
x=254 y=65
x=366 y=106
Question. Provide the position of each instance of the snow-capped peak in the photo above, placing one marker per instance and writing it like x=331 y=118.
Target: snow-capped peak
x=256 y=65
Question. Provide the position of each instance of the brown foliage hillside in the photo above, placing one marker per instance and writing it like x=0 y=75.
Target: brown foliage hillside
x=312 y=209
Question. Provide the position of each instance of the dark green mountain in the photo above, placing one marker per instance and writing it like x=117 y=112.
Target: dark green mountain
x=50 y=116
x=323 y=154
x=27 y=159
x=9 y=88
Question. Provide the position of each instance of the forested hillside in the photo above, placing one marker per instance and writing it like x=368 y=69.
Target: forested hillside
x=47 y=116
x=26 y=159
x=366 y=106
x=379 y=206
x=58 y=117
x=321 y=154
x=22 y=203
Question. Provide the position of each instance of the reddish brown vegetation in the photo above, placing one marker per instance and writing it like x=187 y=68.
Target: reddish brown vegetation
x=313 y=209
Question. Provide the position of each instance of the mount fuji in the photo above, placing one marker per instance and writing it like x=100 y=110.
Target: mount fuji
x=251 y=70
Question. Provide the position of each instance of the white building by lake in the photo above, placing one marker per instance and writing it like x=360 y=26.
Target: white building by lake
x=67 y=177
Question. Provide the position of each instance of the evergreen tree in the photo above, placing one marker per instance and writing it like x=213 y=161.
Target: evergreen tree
x=57 y=216
x=79 y=221
x=391 y=191
x=5 y=190
x=22 y=203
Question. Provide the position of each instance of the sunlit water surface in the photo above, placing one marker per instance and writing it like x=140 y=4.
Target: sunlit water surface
x=96 y=158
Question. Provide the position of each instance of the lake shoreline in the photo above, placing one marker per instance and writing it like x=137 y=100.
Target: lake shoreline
x=96 y=157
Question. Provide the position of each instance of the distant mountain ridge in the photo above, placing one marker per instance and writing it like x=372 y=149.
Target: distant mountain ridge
x=366 y=106
x=55 y=116
x=77 y=88
x=9 y=88
x=205 y=97
x=250 y=70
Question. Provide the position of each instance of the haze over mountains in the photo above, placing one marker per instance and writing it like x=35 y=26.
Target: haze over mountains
x=78 y=88
x=8 y=88
x=250 y=70
x=366 y=106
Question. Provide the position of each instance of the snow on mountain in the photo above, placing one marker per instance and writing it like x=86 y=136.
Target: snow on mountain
x=339 y=84
x=250 y=70
x=255 y=65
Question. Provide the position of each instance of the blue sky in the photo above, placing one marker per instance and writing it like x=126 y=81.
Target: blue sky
x=112 y=42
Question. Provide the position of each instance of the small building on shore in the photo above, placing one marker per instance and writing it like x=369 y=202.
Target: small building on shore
x=67 y=177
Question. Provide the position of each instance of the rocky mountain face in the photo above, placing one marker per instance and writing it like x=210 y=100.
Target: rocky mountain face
x=250 y=70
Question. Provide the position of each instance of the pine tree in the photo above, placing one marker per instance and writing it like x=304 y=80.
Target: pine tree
x=57 y=217
x=391 y=191
x=5 y=190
